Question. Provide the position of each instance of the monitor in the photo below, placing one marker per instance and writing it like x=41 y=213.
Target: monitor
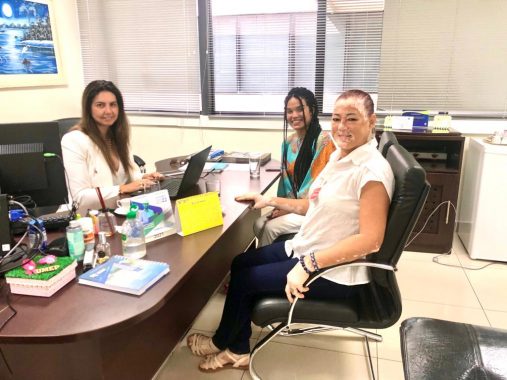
x=26 y=170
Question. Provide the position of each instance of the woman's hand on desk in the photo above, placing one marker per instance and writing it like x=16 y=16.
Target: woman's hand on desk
x=257 y=200
x=132 y=187
x=155 y=176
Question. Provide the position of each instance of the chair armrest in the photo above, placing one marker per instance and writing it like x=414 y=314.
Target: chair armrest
x=322 y=272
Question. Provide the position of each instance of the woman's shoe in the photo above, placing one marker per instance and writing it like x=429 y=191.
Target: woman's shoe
x=201 y=345
x=223 y=360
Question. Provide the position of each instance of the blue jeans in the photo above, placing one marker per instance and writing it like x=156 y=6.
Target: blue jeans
x=254 y=274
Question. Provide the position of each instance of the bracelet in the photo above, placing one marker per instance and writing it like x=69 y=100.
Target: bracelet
x=302 y=262
x=314 y=262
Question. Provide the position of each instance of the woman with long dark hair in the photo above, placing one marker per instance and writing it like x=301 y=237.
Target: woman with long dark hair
x=96 y=152
x=305 y=152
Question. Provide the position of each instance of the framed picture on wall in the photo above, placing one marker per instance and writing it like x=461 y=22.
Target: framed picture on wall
x=29 y=52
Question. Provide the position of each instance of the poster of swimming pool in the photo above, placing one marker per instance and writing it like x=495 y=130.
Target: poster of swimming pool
x=28 y=49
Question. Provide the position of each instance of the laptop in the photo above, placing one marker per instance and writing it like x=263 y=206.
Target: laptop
x=178 y=186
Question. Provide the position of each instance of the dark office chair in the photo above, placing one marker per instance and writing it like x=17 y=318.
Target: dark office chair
x=67 y=123
x=378 y=304
x=387 y=139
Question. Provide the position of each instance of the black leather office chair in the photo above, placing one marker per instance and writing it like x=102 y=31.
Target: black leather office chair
x=387 y=139
x=377 y=305
x=67 y=123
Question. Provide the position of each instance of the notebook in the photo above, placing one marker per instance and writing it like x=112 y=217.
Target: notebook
x=126 y=275
x=178 y=186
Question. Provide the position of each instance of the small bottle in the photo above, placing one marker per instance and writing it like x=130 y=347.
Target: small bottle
x=75 y=240
x=102 y=249
x=88 y=257
x=107 y=222
x=87 y=226
x=94 y=214
x=132 y=237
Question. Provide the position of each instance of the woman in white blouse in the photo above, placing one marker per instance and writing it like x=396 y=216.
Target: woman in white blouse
x=96 y=152
x=345 y=219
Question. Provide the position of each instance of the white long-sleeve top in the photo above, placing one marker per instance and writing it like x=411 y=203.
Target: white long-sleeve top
x=87 y=169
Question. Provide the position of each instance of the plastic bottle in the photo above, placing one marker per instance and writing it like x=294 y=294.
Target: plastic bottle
x=107 y=222
x=75 y=240
x=132 y=236
x=94 y=214
x=102 y=249
x=87 y=226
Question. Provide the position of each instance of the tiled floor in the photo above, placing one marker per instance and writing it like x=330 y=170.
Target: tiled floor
x=455 y=293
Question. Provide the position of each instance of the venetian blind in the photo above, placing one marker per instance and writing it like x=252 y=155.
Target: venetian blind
x=444 y=55
x=261 y=49
x=149 y=49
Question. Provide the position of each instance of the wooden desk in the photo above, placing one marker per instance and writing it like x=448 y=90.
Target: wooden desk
x=88 y=333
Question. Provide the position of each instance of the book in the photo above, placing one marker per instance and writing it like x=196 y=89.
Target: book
x=123 y=274
x=52 y=278
x=242 y=158
x=158 y=219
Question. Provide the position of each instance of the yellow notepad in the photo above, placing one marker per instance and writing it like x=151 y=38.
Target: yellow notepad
x=198 y=213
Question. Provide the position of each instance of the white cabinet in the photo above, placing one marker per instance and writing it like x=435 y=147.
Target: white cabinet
x=482 y=225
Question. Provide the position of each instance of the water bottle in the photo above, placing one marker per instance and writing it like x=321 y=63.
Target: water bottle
x=132 y=236
x=75 y=240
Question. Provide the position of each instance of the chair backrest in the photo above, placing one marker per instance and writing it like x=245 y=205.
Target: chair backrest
x=65 y=124
x=382 y=302
x=387 y=139
x=411 y=190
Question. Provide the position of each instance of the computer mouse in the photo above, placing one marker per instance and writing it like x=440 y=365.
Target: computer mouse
x=58 y=247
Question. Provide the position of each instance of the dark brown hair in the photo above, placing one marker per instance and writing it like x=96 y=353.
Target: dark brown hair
x=118 y=133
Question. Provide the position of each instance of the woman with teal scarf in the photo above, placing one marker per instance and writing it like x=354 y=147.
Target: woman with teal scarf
x=305 y=152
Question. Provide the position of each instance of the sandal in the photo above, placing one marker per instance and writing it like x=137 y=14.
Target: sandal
x=201 y=345
x=223 y=360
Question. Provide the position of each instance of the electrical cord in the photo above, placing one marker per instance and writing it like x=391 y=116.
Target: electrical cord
x=12 y=259
x=436 y=258
x=213 y=170
x=8 y=306
x=67 y=201
x=429 y=217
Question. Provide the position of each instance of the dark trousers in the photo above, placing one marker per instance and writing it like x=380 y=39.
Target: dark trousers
x=257 y=273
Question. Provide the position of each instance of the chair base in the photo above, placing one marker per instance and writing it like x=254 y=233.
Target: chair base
x=283 y=329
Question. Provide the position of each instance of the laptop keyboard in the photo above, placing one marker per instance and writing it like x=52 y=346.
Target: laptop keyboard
x=172 y=185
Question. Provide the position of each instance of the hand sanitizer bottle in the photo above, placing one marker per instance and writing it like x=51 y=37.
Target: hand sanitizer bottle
x=132 y=237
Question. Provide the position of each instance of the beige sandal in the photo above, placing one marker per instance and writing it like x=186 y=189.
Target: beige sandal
x=223 y=360
x=201 y=345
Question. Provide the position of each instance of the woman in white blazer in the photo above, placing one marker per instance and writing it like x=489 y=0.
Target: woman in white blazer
x=96 y=152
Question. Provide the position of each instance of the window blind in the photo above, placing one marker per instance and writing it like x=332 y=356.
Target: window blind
x=262 y=49
x=445 y=55
x=149 y=49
